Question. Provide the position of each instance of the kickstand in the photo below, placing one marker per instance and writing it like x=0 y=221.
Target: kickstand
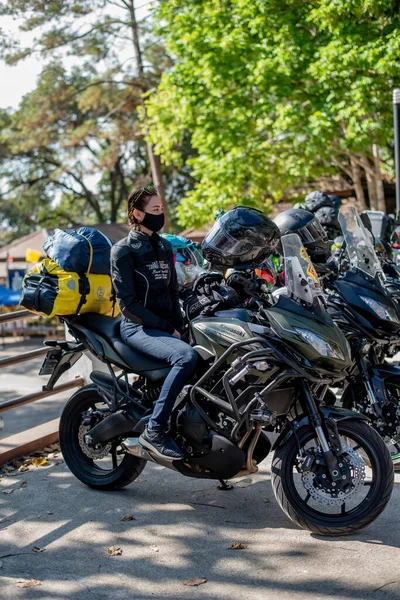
x=223 y=486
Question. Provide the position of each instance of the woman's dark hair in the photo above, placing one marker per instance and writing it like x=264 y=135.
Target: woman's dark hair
x=139 y=200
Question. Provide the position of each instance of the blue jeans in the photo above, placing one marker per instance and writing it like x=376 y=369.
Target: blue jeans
x=165 y=347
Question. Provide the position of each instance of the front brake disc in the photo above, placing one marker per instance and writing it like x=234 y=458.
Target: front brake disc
x=336 y=497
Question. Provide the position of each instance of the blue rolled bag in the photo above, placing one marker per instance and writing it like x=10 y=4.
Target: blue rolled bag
x=72 y=252
x=74 y=278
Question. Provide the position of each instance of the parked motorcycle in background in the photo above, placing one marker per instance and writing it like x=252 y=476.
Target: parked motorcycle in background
x=363 y=307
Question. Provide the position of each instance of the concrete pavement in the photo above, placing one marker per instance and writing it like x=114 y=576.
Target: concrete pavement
x=182 y=529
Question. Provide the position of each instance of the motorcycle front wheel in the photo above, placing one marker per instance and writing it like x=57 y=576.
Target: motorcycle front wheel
x=310 y=498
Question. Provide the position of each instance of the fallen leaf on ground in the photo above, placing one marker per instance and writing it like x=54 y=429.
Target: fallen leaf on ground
x=26 y=583
x=238 y=546
x=23 y=484
x=39 y=462
x=49 y=512
x=8 y=491
x=267 y=500
x=155 y=549
x=196 y=581
x=127 y=518
x=115 y=551
x=37 y=549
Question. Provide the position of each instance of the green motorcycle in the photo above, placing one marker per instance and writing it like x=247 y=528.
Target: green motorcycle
x=260 y=373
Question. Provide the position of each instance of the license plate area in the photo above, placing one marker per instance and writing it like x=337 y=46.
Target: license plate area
x=51 y=361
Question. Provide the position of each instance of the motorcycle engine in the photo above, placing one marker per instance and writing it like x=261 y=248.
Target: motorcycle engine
x=193 y=429
x=195 y=432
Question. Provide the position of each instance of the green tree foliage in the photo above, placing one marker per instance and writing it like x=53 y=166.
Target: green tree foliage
x=275 y=93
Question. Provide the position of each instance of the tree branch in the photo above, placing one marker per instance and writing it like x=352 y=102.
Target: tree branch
x=343 y=167
x=103 y=81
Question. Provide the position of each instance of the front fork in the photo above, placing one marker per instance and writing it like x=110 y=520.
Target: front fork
x=331 y=458
x=375 y=401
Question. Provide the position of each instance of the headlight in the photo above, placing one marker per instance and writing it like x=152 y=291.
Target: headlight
x=387 y=313
x=320 y=345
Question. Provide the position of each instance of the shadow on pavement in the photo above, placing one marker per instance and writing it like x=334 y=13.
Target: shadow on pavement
x=182 y=529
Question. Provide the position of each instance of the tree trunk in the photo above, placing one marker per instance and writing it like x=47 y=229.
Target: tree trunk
x=357 y=184
x=155 y=162
x=378 y=179
x=371 y=184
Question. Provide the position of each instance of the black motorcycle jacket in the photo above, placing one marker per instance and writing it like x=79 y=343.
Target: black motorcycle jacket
x=145 y=282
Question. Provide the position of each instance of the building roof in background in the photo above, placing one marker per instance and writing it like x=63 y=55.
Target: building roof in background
x=35 y=240
x=17 y=248
x=197 y=235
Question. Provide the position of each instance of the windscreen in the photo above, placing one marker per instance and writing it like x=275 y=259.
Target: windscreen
x=359 y=243
x=301 y=279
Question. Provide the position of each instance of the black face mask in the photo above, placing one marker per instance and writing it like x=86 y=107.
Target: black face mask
x=153 y=222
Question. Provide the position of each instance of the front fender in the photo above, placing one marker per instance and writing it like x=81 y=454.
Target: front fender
x=328 y=412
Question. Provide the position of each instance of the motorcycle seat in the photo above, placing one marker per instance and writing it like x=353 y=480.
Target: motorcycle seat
x=108 y=328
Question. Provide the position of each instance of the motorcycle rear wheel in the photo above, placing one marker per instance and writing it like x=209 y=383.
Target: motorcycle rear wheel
x=305 y=510
x=98 y=474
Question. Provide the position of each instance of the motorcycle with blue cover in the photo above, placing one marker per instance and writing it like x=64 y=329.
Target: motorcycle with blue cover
x=260 y=372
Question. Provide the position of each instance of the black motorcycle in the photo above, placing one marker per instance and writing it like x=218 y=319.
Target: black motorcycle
x=259 y=372
x=362 y=303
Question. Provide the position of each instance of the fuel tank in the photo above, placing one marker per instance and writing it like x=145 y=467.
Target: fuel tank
x=216 y=334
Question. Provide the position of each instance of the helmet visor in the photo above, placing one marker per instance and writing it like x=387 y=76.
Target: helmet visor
x=220 y=240
x=312 y=232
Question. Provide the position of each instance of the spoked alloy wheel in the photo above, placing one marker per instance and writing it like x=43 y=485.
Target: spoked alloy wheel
x=102 y=466
x=313 y=501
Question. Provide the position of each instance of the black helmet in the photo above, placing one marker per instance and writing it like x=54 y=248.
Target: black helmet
x=336 y=200
x=241 y=236
x=309 y=229
x=316 y=200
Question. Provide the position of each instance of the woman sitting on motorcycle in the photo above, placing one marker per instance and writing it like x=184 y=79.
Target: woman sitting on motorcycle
x=146 y=288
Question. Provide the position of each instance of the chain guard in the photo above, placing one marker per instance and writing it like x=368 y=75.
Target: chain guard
x=323 y=495
x=93 y=453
